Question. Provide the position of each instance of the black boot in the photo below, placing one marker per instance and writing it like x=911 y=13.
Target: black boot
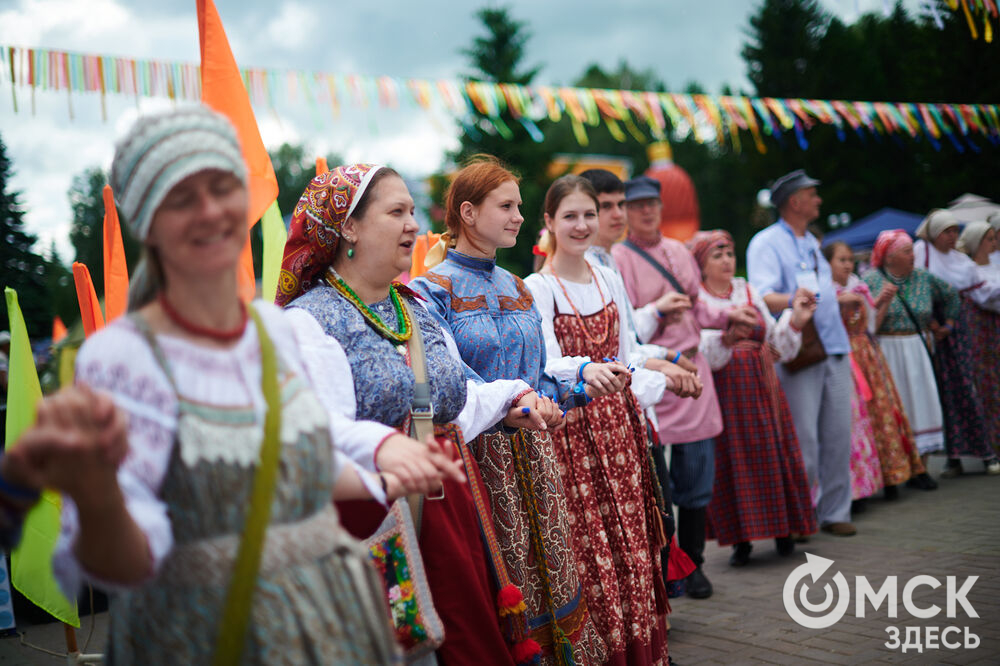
x=741 y=554
x=691 y=539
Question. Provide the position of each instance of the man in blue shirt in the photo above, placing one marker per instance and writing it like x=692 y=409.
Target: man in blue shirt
x=782 y=259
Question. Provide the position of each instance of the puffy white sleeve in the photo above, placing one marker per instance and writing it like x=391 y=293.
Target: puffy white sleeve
x=647 y=385
x=330 y=374
x=117 y=361
x=486 y=404
x=563 y=368
x=987 y=295
x=780 y=334
x=716 y=353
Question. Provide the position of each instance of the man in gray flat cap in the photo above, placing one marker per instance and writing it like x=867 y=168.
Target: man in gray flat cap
x=784 y=259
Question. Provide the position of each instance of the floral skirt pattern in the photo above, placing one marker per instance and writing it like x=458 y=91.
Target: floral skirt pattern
x=511 y=522
x=866 y=471
x=897 y=450
x=984 y=331
x=966 y=429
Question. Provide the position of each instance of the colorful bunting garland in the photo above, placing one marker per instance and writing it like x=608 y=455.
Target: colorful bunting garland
x=709 y=118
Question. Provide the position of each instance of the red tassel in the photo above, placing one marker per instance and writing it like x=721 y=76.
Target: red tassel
x=526 y=652
x=509 y=597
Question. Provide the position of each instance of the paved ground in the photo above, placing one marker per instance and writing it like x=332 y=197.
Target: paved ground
x=952 y=531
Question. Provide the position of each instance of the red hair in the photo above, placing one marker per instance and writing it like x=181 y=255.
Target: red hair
x=481 y=175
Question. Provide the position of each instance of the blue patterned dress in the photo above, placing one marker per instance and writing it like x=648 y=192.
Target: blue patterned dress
x=450 y=542
x=491 y=315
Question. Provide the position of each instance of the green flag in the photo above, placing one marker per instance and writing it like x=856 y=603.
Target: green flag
x=272 y=230
x=31 y=561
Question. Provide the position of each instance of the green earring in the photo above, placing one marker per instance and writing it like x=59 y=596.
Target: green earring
x=350 y=253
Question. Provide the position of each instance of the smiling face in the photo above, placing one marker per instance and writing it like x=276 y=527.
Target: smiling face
x=841 y=264
x=610 y=217
x=495 y=222
x=574 y=225
x=383 y=237
x=946 y=240
x=200 y=228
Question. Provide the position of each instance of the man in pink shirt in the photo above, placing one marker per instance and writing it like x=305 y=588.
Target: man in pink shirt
x=652 y=266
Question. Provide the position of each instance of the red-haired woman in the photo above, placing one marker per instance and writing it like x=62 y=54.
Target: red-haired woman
x=490 y=314
x=602 y=452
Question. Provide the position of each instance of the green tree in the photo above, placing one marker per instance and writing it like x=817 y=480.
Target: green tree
x=86 y=200
x=20 y=267
x=497 y=57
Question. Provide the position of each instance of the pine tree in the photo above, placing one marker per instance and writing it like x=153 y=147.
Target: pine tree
x=20 y=268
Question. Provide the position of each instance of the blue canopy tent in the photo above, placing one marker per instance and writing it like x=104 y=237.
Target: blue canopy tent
x=862 y=234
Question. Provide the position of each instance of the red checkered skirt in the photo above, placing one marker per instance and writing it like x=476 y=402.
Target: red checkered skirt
x=761 y=489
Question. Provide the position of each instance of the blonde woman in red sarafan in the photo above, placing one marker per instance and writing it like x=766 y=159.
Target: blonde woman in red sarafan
x=761 y=490
x=602 y=452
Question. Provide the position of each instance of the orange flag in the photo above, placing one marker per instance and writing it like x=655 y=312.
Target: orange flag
x=321 y=166
x=222 y=89
x=115 y=268
x=90 y=307
x=421 y=246
x=58 y=330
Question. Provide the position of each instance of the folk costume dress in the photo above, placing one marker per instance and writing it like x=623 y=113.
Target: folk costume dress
x=603 y=459
x=906 y=355
x=489 y=313
x=866 y=469
x=897 y=452
x=967 y=426
x=371 y=383
x=196 y=421
x=984 y=328
x=761 y=490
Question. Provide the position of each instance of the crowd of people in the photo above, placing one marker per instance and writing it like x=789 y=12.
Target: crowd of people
x=472 y=467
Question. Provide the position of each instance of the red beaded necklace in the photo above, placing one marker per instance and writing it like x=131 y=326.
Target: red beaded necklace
x=204 y=331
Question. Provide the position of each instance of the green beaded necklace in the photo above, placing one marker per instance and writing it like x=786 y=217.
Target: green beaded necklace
x=402 y=316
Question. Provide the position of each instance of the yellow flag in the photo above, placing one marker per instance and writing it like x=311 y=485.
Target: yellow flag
x=31 y=561
x=272 y=231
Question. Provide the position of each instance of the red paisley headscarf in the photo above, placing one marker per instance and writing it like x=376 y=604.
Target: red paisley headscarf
x=312 y=242
x=703 y=242
x=888 y=242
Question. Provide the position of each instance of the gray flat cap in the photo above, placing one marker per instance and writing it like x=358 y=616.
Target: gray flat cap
x=642 y=187
x=789 y=184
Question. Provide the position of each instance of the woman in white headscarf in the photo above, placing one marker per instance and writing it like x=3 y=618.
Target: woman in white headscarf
x=967 y=429
x=979 y=241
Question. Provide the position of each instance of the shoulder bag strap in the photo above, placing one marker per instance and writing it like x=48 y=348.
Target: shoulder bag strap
x=655 y=264
x=239 y=598
x=913 y=317
x=422 y=409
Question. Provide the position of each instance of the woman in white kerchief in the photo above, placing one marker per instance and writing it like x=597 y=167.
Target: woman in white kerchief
x=979 y=242
x=967 y=427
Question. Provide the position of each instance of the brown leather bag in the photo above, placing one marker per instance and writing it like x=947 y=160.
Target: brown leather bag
x=811 y=352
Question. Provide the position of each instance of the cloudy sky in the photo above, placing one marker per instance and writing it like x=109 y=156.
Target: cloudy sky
x=681 y=41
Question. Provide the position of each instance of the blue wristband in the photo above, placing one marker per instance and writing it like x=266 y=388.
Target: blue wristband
x=676 y=358
x=790 y=300
x=19 y=493
x=579 y=373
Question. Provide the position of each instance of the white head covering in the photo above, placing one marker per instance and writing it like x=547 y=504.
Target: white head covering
x=972 y=237
x=994 y=221
x=936 y=221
